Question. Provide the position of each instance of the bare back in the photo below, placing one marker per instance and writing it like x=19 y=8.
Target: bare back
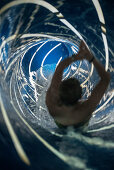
x=81 y=111
x=66 y=115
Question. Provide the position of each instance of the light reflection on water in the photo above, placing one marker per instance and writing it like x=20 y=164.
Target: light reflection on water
x=31 y=48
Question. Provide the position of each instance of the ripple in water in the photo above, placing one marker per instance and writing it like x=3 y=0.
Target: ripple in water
x=30 y=51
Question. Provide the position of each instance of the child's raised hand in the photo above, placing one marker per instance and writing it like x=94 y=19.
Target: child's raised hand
x=84 y=51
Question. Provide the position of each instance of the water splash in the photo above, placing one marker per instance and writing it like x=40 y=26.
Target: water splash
x=31 y=47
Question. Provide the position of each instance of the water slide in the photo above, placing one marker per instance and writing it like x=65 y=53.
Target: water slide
x=35 y=36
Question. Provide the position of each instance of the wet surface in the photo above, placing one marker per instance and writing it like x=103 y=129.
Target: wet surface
x=33 y=40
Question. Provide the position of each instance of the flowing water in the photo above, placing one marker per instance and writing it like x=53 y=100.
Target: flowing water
x=35 y=35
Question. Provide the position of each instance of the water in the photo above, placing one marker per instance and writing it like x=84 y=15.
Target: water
x=33 y=40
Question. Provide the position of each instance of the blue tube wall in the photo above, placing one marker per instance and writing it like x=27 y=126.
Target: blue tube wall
x=34 y=37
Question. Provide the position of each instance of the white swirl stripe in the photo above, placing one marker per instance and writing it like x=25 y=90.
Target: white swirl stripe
x=106 y=50
x=99 y=10
x=38 y=2
x=14 y=137
x=51 y=148
x=104 y=103
x=101 y=18
x=46 y=57
x=102 y=128
x=44 y=4
x=72 y=28
x=45 y=143
x=34 y=55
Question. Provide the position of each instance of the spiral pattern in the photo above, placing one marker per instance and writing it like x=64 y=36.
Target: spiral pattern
x=30 y=53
